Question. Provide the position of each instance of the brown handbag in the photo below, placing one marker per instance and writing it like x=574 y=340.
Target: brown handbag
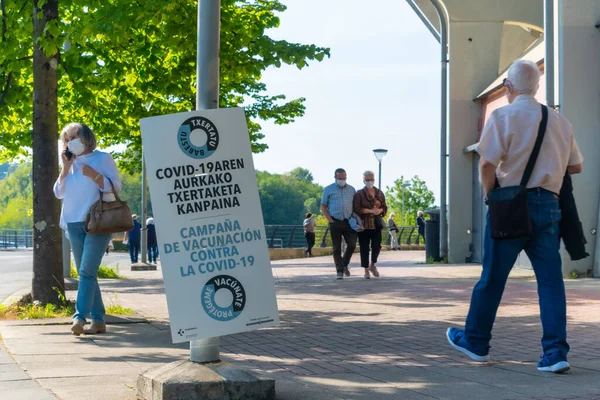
x=109 y=216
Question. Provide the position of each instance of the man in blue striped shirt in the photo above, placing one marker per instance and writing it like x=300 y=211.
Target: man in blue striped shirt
x=336 y=206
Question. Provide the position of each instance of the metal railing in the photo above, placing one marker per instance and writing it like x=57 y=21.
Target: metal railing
x=292 y=236
x=278 y=236
x=16 y=238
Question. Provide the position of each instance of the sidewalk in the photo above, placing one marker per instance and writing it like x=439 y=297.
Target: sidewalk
x=352 y=339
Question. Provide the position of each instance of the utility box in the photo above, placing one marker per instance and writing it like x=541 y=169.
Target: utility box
x=432 y=235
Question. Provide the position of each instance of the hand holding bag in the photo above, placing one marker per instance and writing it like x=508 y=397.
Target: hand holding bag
x=109 y=216
x=509 y=206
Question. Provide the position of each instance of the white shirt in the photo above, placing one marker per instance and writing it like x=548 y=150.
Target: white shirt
x=508 y=138
x=80 y=192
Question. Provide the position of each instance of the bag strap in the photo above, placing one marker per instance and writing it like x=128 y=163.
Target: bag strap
x=113 y=191
x=536 y=147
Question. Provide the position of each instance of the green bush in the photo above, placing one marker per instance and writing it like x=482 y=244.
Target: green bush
x=104 y=272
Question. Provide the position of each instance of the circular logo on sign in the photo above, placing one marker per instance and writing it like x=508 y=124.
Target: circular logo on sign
x=198 y=137
x=233 y=291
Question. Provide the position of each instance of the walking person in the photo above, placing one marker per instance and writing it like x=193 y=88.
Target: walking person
x=369 y=203
x=151 y=242
x=420 y=226
x=133 y=238
x=336 y=206
x=507 y=142
x=393 y=228
x=309 y=233
x=86 y=175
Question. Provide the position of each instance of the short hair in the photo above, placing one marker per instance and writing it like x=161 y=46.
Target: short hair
x=368 y=173
x=524 y=76
x=83 y=131
x=338 y=171
x=392 y=216
x=308 y=215
x=419 y=212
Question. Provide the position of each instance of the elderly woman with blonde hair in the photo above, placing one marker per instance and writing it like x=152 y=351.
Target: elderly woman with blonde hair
x=87 y=174
x=369 y=203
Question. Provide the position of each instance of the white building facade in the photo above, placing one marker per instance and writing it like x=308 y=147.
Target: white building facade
x=484 y=37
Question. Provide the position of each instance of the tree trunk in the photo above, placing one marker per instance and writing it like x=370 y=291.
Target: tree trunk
x=48 y=280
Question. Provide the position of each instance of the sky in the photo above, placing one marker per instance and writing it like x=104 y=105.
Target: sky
x=379 y=89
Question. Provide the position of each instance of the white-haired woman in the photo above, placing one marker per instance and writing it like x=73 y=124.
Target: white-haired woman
x=393 y=228
x=86 y=175
x=369 y=202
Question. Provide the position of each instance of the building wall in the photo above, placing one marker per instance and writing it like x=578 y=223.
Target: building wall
x=579 y=98
x=474 y=55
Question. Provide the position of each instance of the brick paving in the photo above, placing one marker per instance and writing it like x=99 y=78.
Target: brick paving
x=352 y=339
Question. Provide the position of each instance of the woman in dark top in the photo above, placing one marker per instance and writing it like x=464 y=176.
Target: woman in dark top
x=369 y=203
x=151 y=242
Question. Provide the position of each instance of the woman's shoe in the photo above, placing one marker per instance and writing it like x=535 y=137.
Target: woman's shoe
x=77 y=328
x=367 y=275
x=96 y=327
x=373 y=270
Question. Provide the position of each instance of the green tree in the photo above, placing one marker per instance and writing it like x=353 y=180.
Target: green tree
x=285 y=199
x=406 y=197
x=301 y=174
x=120 y=56
x=131 y=192
x=16 y=202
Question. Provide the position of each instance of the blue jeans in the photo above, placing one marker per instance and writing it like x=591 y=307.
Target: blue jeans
x=152 y=253
x=134 y=249
x=543 y=249
x=88 y=251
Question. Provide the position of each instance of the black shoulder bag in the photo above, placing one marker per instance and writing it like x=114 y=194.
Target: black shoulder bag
x=509 y=206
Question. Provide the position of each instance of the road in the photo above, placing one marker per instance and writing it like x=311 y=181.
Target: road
x=16 y=269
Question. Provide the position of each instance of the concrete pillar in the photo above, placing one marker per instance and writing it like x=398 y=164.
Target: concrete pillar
x=579 y=100
x=474 y=57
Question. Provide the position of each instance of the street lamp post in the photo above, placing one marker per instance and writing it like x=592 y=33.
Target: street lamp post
x=404 y=186
x=379 y=154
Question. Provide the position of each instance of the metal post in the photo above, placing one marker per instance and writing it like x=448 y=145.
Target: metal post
x=379 y=175
x=549 y=61
x=66 y=255
x=207 y=97
x=144 y=244
x=403 y=220
x=444 y=135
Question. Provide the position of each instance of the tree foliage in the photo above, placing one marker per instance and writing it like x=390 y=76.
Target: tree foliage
x=285 y=199
x=119 y=57
x=406 y=200
x=16 y=200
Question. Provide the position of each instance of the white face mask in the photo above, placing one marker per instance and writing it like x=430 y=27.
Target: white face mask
x=341 y=182
x=76 y=146
x=369 y=184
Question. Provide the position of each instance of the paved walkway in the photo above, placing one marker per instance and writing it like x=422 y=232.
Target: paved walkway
x=352 y=339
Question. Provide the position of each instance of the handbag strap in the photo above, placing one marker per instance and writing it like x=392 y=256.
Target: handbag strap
x=113 y=192
x=536 y=148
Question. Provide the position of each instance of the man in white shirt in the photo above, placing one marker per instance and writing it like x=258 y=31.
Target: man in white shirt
x=506 y=143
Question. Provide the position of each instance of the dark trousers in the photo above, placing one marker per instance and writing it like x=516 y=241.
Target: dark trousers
x=366 y=238
x=134 y=249
x=152 y=253
x=421 y=235
x=339 y=229
x=310 y=241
